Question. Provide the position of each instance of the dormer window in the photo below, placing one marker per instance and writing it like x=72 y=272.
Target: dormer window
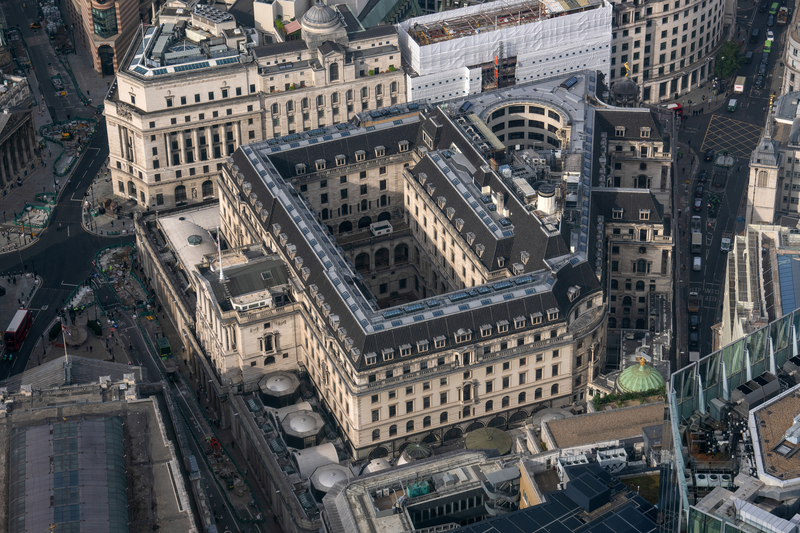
x=388 y=354
x=422 y=178
x=320 y=164
x=552 y=314
x=361 y=155
x=573 y=292
x=439 y=341
x=619 y=131
x=371 y=358
x=403 y=146
x=644 y=214
x=460 y=225
x=519 y=322
x=463 y=335
x=479 y=249
x=536 y=318
x=502 y=326
x=340 y=160
x=405 y=350
x=431 y=189
x=501 y=261
x=486 y=330
x=441 y=201
x=450 y=212
x=300 y=169
x=518 y=269
x=422 y=346
x=644 y=133
x=380 y=151
x=470 y=236
x=616 y=213
x=524 y=256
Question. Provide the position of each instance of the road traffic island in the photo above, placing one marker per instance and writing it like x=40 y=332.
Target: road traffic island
x=115 y=264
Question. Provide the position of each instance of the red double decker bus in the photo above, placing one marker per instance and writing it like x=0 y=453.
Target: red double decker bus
x=18 y=329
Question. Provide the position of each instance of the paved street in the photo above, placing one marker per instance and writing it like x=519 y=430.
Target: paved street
x=738 y=133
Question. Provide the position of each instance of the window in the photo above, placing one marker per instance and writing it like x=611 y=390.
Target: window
x=443 y=418
x=392 y=430
x=105 y=22
x=376 y=415
x=506 y=382
x=392 y=411
x=376 y=434
x=489 y=406
x=210 y=95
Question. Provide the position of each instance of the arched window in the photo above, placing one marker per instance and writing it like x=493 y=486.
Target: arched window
x=378 y=90
x=640 y=285
x=641 y=265
x=208 y=189
x=537 y=393
x=289 y=106
x=334 y=72
x=627 y=300
x=345 y=226
x=376 y=435
x=383 y=200
x=320 y=99
x=522 y=398
x=426 y=422
x=626 y=323
x=554 y=389
x=325 y=214
x=641 y=182
x=363 y=205
x=506 y=401
x=304 y=103
x=364 y=92
x=640 y=323
x=443 y=418
x=393 y=87
x=269 y=360
x=467 y=392
x=276 y=110
x=466 y=412
x=614 y=284
x=612 y=322
x=409 y=426
x=364 y=222
x=489 y=406
x=392 y=430
x=180 y=193
x=384 y=216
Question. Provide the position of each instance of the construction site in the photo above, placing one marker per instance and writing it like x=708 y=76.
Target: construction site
x=498 y=44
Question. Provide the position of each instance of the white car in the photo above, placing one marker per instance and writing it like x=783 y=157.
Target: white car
x=770 y=35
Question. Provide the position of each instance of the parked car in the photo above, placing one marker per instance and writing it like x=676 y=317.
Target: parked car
x=702 y=177
x=771 y=20
x=709 y=155
x=698 y=192
x=770 y=35
x=759 y=82
x=694 y=321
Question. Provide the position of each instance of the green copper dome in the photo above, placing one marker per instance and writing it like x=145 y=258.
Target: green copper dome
x=639 y=378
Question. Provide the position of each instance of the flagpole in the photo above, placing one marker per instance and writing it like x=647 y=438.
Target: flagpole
x=64 y=334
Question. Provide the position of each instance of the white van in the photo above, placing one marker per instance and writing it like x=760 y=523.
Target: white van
x=696 y=264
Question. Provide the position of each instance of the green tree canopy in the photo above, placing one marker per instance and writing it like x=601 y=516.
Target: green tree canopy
x=728 y=59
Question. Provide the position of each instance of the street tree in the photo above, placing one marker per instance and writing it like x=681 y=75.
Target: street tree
x=728 y=60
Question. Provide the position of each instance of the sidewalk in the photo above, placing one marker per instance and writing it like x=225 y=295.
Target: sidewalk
x=117 y=218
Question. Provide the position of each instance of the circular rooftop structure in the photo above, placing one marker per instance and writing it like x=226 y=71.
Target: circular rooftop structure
x=639 y=378
x=320 y=19
x=489 y=439
x=325 y=477
x=377 y=465
x=194 y=240
x=279 y=389
x=414 y=452
x=625 y=87
x=303 y=429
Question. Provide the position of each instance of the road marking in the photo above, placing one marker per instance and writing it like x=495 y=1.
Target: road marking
x=69 y=284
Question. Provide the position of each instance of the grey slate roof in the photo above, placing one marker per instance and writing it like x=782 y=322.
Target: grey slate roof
x=632 y=120
x=604 y=202
x=244 y=279
x=280 y=48
x=374 y=32
x=528 y=236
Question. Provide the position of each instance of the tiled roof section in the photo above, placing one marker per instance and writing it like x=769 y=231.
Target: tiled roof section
x=631 y=201
x=83 y=371
x=329 y=47
x=374 y=32
x=632 y=120
x=605 y=425
x=285 y=160
x=242 y=11
x=279 y=48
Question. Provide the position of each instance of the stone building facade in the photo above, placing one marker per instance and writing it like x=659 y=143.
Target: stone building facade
x=171 y=127
x=19 y=152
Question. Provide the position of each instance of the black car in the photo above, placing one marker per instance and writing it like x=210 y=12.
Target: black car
x=759 y=82
x=765 y=58
x=762 y=69
x=694 y=341
x=694 y=321
x=710 y=155
x=763 y=6
x=702 y=177
x=770 y=20
x=698 y=192
x=698 y=204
